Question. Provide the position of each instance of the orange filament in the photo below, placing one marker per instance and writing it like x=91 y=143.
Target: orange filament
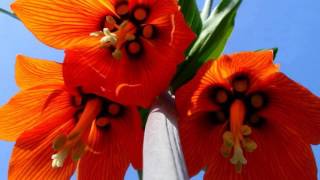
x=237 y=115
x=140 y=14
x=92 y=109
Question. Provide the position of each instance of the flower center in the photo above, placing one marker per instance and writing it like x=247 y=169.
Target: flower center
x=91 y=109
x=123 y=33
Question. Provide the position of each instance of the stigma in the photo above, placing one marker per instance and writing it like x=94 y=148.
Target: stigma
x=237 y=141
x=64 y=144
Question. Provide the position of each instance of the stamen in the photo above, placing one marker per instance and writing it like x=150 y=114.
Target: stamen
x=59 y=142
x=228 y=140
x=117 y=54
x=225 y=151
x=59 y=158
x=78 y=151
x=140 y=14
x=122 y=9
x=149 y=31
x=110 y=23
x=246 y=130
x=238 y=158
x=92 y=109
x=249 y=145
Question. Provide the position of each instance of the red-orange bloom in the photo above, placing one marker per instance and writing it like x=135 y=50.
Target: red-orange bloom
x=133 y=46
x=58 y=130
x=240 y=118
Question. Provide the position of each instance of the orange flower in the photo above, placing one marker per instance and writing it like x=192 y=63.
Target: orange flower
x=57 y=129
x=243 y=119
x=133 y=46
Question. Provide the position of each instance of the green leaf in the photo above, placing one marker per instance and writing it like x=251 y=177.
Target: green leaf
x=215 y=32
x=9 y=13
x=191 y=14
x=206 y=11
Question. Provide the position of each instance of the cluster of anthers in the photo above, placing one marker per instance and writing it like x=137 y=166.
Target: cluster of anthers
x=239 y=110
x=91 y=110
x=125 y=30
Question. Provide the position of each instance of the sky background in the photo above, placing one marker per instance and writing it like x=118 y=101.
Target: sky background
x=291 y=25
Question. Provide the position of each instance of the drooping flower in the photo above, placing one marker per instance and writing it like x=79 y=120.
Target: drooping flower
x=135 y=46
x=58 y=129
x=240 y=118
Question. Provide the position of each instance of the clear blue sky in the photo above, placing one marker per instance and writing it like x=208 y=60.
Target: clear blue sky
x=293 y=26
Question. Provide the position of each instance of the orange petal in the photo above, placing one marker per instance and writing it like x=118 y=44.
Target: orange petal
x=200 y=139
x=292 y=105
x=193 y=96
x=111 y=149
x=127 y=81
x=31 y=158
x=25 y=109
x=280 y=154
x=62 y=24
x=32 y=72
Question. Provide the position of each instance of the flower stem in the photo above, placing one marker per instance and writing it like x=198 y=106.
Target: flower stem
x=9 y=13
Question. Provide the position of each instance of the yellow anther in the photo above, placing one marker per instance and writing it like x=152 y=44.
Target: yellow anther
x=246 y=130
x=228 y=139
x=249 y=145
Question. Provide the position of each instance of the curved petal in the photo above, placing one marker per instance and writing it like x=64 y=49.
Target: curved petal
x=193 y=96
x=294 y=106
x=200 y=139
x=127 y=81
x=25 y=109
x=259 y=64
x=110 y=149
x=281 y=154
x=32 y=72
x=62 y=24
x=31 y=157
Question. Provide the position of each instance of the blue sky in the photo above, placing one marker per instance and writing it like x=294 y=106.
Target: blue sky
x=292 y=26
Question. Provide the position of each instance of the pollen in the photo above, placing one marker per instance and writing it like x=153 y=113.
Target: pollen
x=59 y=158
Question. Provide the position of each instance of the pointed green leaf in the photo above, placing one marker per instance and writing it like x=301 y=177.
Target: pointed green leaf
x=206 y=11
x=215 y=32
x=191 y=14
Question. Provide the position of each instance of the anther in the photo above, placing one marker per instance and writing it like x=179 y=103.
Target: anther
x=246 y=130
x=122 y=8
x=140 y=14
x=228 y=139
x=149 y=31
x=249 y=145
